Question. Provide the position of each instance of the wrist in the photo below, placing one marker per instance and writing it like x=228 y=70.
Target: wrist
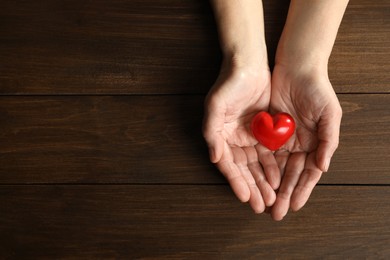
x=296 y=54
x=309 y=32
x=241 y=32
x=293 y=58
x=238 y=65
x=289 y=70
x=241 y=58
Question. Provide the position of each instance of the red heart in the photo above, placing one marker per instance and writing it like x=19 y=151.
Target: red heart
x=272 y=131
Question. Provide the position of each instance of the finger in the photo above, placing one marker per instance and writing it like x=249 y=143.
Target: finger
x=328 y=135
x=212 y=129
x=255 y=200
x=270 y=166
x=233 y=175
x=308 y=180
x=281 y=158
x=237 y=182
x=267 y=193
x=294 y=168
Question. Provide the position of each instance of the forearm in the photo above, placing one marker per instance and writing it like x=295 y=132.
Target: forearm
x=310 y=31
x=241 y=31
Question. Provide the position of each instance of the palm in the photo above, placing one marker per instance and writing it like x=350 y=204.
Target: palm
x=310 y=99
x=230 y=106
x=234 y=100
x=241 y=106
x=294 y=99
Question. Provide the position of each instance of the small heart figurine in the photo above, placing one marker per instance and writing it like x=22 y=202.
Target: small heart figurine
x=272 y=131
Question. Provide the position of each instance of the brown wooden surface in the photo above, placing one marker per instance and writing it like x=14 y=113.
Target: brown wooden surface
x=101 y=153
x=157 y=139
x=206 y=221
x=150 y=46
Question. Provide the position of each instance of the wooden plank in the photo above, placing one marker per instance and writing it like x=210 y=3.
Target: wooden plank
x=95 y=47
x=81 y=47
x=364 y=142
x=360 y=61
x=102 y=139
x=157 y=139
x=176 y=222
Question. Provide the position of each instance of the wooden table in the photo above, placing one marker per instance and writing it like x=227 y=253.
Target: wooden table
x=101 y=151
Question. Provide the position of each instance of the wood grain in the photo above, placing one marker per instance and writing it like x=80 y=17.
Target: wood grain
x=101 y=152
x=168 y=47
x=157 y=139
x=360 y=61
x=176 y=222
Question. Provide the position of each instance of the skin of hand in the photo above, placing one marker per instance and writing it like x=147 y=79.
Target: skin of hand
x=301 y=87
x=228 y=113
x=241 y=90
x=309 y=97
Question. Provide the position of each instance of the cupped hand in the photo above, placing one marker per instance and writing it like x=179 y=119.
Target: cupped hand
x=251 y=169
x=306 y=93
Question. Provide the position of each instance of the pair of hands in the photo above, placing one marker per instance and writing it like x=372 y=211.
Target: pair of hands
x=283 y=179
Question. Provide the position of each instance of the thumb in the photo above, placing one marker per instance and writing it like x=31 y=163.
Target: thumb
x=328 y=135
x=212 y=130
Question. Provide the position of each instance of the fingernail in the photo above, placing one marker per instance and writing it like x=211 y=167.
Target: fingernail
x=327 y=163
